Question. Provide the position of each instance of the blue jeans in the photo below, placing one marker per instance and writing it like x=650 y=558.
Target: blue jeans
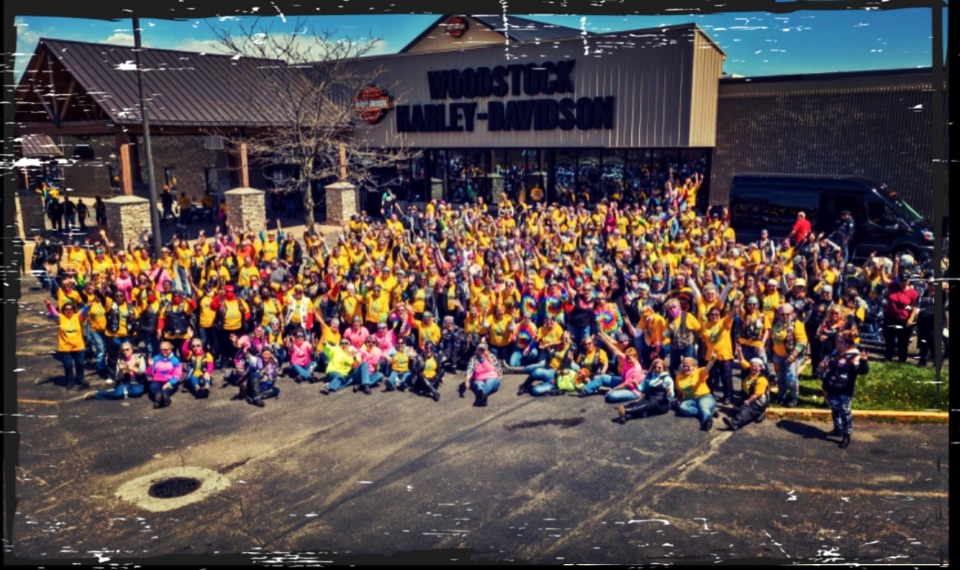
x=600 y=380
x=502 y=353
x=485 y=386
x=546 y=378
x=121 y=391
x=72 y=366
x=338 y=381
x=371 y=377
x=579 y=334
x=98 y=343
x=750 y=352
x=788 y=378
x=157 y=387
x=399 y=378
x=701 y=408
x=676 y=354
x=151 y=344
x=196 y=382
x=304 y=372
x=620 y=396
x=517 y=358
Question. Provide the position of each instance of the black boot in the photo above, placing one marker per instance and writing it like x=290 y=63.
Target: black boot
x=433 y=392
x=524 y=388
x=732 y=425
x=845 y=442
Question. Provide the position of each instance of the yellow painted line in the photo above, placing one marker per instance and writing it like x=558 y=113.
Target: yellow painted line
x=754 y=488
x=45 y=402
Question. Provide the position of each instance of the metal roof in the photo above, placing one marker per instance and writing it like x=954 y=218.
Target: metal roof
x=524 y=30
x=514 y=28
x=38 y=146
x=185 y=89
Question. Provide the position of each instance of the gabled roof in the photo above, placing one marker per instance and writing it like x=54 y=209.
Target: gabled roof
x=186 y=89
x=38 y=146
x=515 y=29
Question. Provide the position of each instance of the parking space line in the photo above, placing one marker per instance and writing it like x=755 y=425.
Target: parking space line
x=753 y=488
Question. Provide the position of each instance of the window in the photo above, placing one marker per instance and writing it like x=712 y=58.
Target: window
x=881 y=214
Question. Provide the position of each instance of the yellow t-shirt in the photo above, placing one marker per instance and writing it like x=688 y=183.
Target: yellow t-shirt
x=693 y=385
x=71 y=333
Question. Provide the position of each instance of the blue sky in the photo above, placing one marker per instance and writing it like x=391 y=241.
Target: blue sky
x=756 y=43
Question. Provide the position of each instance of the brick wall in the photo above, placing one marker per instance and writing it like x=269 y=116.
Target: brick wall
x=246 y=209
x=127 y=218
x=187 y=157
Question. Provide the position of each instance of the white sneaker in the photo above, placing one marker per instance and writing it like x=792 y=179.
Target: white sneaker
x=108 y=381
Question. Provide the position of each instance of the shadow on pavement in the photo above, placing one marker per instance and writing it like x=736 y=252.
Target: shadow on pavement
x=804 y=430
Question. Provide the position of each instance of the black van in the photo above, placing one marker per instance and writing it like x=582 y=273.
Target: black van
x=883 y=222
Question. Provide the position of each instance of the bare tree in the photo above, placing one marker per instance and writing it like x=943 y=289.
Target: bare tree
x=311 y=85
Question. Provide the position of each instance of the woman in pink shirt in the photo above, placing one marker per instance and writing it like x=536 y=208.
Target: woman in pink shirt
x=386 y=339
x=357 y=334
x=301 y=357
x=483 y=374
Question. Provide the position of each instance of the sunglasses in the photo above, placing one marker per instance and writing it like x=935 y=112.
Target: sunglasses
x=196 y=346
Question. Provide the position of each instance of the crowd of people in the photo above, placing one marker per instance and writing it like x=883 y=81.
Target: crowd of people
x=653 y=305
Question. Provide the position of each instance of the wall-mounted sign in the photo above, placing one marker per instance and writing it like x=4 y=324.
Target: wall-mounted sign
x=372 y=103
x=456 y=26
x=531 y=80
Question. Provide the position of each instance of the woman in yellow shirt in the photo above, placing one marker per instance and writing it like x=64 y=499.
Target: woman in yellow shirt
x=70 y=343
x=718 y=345
x=694 y=397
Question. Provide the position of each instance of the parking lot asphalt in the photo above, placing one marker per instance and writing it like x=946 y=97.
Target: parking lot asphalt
x=397 y=478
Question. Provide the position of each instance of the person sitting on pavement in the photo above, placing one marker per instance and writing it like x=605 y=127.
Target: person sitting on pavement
x=198 y=364
x=623 y=386
x=483 y=375
x=300 y=352
x=542 y=380
x=755 y=388
x=655 y=393
x=345 y=368
x=427 y=373
x=399 y=366
x=372 y=358
x=247 y=374
x=694 y=398
x=130 y=377
x=164 y=372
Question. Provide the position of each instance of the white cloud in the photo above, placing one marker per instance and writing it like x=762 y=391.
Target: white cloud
x=119 y=38
x=198 y=45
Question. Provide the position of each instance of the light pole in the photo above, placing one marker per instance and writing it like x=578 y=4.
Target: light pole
x=151 y=181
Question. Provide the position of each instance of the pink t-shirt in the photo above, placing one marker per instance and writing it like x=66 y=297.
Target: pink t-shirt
x=356 y=336
x=484 y=370
x=372 y=357
x=301 y=354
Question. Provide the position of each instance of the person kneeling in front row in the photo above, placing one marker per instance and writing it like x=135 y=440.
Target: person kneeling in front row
x=164 y=372
x=755 y=387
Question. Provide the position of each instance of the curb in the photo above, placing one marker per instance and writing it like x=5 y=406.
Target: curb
x=874 y=415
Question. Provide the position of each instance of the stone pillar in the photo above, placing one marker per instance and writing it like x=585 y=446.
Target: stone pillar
x=246 y=209
x=128 y=217
x=496 y=188
x=30 y=215
x=436 y=189
x=341 y=202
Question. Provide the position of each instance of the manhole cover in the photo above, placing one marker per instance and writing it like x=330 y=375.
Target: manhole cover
x=174 y=487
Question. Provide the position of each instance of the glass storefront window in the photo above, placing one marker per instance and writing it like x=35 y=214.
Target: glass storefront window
x=564 y=176
x=612 y=175
x=588 y=176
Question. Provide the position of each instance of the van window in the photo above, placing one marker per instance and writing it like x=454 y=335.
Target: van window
x=832 y=204
x=785 y=203
x=881 y=214
x=750 y=209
